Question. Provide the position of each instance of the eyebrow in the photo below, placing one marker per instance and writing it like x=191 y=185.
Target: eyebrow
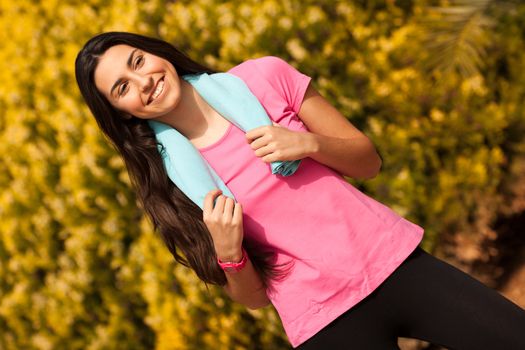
x=117 y=83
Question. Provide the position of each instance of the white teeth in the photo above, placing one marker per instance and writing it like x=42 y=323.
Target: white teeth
x=158 y=90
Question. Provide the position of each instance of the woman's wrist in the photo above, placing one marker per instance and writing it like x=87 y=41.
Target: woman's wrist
x=311 y=143
x=231 y=257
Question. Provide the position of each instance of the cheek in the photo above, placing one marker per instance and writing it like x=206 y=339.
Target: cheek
x=131 y=104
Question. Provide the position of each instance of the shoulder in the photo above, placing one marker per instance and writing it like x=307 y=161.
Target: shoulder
x=272 y=75
x=259 y=62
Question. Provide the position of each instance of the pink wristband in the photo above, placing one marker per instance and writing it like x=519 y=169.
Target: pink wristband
x=229 y=266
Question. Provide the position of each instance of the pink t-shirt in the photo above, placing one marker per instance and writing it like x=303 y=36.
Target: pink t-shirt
x=342 y=243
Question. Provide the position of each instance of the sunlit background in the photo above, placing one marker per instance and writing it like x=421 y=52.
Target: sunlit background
x=438 y=86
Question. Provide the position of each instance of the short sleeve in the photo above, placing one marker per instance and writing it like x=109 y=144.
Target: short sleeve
x=286 y=80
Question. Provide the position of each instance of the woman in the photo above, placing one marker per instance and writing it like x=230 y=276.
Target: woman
x=341 y=269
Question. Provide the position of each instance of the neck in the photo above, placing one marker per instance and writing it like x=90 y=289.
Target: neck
x=192 y=116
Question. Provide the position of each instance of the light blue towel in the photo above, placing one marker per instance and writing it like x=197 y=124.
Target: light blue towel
x=230 y=97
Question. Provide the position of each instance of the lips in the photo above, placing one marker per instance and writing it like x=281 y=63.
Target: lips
x=157 y=90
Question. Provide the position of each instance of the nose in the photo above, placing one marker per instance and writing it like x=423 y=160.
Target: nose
x=145 y=83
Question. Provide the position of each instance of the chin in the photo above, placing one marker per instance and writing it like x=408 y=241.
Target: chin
x=171 y=101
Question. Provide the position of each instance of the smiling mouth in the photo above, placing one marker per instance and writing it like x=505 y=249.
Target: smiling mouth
x=158 y=90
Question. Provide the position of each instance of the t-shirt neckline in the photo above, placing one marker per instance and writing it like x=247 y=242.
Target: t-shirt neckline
x=218 y=142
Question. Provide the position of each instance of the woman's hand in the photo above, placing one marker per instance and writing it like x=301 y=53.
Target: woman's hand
x=277 y=143
x=224 y=221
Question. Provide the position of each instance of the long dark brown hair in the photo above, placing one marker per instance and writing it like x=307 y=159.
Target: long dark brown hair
x=172 y=213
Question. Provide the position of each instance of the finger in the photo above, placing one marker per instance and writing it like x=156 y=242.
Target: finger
x=263 y=151
x=268 y=158
x=228 y=208
x=258 y=143
x=219 y=205
x=254 y=134
x=237 y=213
x=209 y=201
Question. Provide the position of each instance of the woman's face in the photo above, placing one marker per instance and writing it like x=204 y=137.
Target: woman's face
x=137 y=82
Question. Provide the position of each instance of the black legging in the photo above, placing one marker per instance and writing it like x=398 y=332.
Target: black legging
x=429 y=299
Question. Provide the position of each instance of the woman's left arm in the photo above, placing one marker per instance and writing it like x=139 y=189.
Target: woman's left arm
x=331 y=140
x=334 y=141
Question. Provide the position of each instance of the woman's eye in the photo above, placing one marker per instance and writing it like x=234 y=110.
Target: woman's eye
x=122 y=88
x=139 y=61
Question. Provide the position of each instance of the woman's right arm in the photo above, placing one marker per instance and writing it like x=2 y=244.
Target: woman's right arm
x=244 y=286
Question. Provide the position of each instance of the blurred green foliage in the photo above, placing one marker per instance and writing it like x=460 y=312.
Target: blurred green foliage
x=80 y=267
